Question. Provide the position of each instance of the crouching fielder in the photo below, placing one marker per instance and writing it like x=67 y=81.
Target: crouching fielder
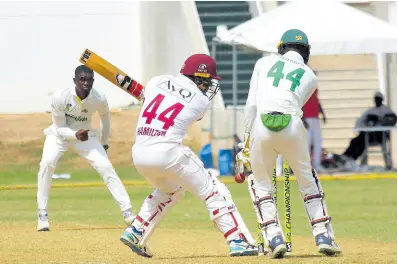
x=172 y=104
x=72 y=110
x=279 y=87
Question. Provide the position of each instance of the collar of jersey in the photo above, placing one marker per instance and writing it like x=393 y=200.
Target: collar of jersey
x=73 y=92
x=186 y=79
x=294 y=55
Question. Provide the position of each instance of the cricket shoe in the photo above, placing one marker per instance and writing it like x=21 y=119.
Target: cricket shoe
x=128 y=216
x=240 y=247
x=277 y=247
x=42 y=221
x=327 y=245
x=131 y=238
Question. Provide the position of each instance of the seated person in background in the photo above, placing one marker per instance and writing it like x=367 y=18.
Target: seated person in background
x=380 y=115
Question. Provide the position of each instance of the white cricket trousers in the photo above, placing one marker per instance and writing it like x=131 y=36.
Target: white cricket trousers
x=291 y=143
x=172 y=169
x=314 y=138
x=93 y=152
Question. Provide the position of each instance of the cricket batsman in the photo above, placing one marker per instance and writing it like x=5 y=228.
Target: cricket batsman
x=171 y=105
x=279 y=87
x=72 y=110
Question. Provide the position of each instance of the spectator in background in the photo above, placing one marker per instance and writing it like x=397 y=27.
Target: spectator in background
x=311 y=121
x=380 y=115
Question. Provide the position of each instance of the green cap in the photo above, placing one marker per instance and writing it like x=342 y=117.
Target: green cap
x=295 y=36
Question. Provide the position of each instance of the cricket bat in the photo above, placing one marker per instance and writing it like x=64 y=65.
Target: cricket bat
x=112 y=74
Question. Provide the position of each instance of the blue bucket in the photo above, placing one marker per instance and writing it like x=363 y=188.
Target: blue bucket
x=225 y=162
x=206 y=156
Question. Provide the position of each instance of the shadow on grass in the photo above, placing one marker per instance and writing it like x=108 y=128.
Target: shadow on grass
x=195 y=256
x=121 y=227
x=307 y=256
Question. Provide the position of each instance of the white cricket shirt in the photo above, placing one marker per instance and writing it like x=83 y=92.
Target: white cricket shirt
x=172 y=104
x=279 y=83
x=69 y=113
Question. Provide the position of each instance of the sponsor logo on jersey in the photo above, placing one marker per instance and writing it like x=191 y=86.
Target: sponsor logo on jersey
x=85 y=111
x=77 y=118
x=175 y=89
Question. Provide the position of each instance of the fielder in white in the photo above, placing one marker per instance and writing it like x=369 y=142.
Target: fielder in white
x=279 y=87
x=72 y=110
x=172 y=104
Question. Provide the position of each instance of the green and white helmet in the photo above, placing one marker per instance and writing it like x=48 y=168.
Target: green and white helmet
x=294 y=36
x=297 y=37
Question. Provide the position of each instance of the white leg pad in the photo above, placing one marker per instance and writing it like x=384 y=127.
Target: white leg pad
x=265 y=208
x=223 y=215
x=153 y=210
x=317 y=212
x=224 y=191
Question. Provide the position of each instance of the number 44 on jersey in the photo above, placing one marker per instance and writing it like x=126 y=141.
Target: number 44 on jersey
x=276 y=72
x=167 y=116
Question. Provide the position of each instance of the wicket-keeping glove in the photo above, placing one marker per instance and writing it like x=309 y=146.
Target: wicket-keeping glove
x=243 y=157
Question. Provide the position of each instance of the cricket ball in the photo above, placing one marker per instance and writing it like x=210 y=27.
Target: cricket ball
x=240 y=177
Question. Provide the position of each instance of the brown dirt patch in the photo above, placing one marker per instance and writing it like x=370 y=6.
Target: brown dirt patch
x=19 y=134
x=96 y=244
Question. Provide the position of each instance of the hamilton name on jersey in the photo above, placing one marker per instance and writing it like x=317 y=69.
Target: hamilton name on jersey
x=148 y=131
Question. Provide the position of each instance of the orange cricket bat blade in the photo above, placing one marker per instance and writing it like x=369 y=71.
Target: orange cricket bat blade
x=112 y=74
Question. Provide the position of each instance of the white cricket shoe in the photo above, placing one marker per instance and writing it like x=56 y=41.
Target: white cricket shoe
x=131 y=237
x=128 y=216
x=42 y=221
x=327 y=245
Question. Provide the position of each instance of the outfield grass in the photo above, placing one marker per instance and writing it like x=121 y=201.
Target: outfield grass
x=86 y=222
x=363 y=208
x=363 y=211
x=19 y=164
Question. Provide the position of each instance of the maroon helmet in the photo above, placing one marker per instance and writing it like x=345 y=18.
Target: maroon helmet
x=202 y=70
